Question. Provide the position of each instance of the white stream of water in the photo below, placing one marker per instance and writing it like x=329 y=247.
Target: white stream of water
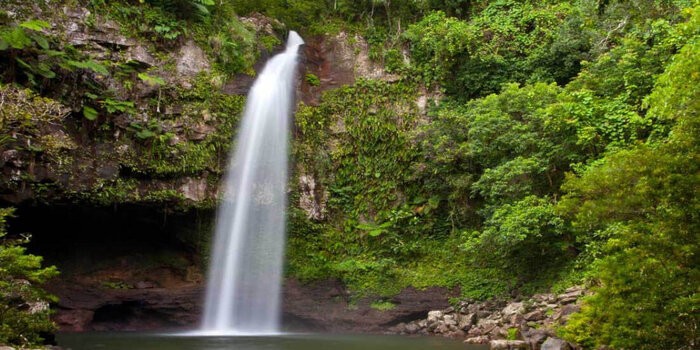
x=245 y=274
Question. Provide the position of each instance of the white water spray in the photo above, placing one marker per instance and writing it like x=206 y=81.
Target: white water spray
x=245 y=274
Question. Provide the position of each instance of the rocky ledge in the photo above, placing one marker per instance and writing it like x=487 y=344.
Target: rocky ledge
x=528 y=324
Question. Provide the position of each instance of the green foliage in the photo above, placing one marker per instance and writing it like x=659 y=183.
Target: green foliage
x=524 y=238
x=638 y=209
x=512 y=334
x=312 y=79
x=24 y=312
x=25 y=48
x=296 y=14
x=509 y=41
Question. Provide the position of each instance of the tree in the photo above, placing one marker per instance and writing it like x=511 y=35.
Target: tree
x=24 y=306
x=639 y=211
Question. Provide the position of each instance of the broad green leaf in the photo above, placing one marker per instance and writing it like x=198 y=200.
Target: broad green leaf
x=89 y=113
x=41 y=41
x=36 y=25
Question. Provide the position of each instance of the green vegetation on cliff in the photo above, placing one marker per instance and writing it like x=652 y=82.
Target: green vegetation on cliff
x=518 y=146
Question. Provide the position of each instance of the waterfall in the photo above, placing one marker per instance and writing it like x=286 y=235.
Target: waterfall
x=245 y=275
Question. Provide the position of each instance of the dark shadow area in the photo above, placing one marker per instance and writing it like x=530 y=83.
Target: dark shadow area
x=80 y=239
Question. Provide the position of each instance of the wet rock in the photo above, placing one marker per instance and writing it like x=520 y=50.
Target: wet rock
x=477 y=340
x=442 y=329
x=77 y=320
x=555 y=344
x=455 y=334
x=508 y=345
x=411 y=328
x=464 y=322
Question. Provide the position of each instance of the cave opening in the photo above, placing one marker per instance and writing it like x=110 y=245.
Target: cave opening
x=83 y=239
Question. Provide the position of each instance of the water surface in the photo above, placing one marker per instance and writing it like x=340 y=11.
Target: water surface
x=134 y=341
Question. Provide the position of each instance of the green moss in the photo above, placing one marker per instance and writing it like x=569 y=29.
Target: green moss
x=382 y=305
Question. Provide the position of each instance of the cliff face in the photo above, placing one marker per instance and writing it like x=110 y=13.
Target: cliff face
x=115 y=170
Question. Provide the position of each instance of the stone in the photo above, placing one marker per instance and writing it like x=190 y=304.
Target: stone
x=3 y=347
x=516 y=319
x=571 y=295
x=509 y=345
x=261 y=24
x=546 y=297
x=565 y=311
x=482 y=339
x=191 y=60
x=455 y=334
x=194 y=189
x=486 y=326
x=141 y=55
x=434 y=316
x=450 y=320
x=536 y=337
x=536 y=315
x=555 y=344
x=512 y=309
x=466 y=321
x=200 y=131
x=411 y=328
x=442 y=329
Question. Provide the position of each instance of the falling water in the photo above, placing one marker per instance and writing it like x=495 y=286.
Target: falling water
x=244 y=285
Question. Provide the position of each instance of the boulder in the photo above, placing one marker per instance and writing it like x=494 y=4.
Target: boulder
x=513 y=309
x=442 y=329
x=450 y=320
x=555 y=344
x=140 y=54
x=191 y=60
x=482 y=339
x=411 y=328
x=535 y=337
x=434 y=316
x=572 y=294
x=508 y=345
x=464 y=322
x=536 y=315
x=565 y=311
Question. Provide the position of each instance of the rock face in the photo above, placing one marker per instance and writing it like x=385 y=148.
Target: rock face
x=325 y=306
x=339 y=60
x=191 y=59
x=321 y=306
x=532 y=321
